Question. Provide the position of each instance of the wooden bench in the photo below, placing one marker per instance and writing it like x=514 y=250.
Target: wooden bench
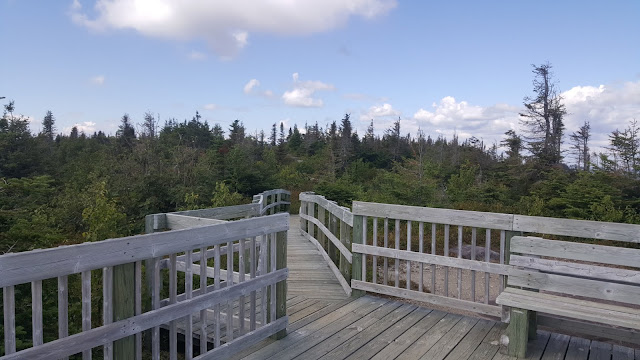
x=575 y=280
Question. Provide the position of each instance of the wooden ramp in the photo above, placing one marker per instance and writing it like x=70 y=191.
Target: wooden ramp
x=309 y=274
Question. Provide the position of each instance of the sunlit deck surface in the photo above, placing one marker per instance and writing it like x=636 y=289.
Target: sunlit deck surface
x=324 y=323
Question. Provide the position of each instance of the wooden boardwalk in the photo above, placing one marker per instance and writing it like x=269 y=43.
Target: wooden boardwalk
x=325 y=324
x=378 y=328
x=309 y=274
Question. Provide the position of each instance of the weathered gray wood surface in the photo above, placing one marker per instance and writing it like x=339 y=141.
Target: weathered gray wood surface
x=310 y=274
x=433 y=215
x=334 y=240
x=46 y=263
x=340 y=212
x=223 y=213
x=433 y=259
x=376 y=328
x=117 y=330
x=577 y=228
x=177 y=222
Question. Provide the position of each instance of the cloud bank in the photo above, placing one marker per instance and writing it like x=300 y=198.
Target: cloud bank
x=225 y=24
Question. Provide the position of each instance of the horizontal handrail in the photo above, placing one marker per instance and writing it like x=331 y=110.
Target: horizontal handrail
x=18 y=268
x=276 y=195
x=343 y=250
x=341 y=212
x=510 y=222
x=130 y=326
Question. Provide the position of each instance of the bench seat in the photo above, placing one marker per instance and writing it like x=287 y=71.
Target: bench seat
x=575 y=308
x=582 y=281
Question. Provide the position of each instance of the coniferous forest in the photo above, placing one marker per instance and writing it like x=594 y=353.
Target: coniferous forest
x=66 y=188
x=58 y=189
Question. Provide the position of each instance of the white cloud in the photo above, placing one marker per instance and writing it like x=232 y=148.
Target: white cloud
x=225 y=25
x=87 y=127
x=606 y=107
x=97 y=80
x=250 y=88
x=381 y=111
x=251 y=85
x=210 y=107
x=449 y=117
x=303 y=91
x=196 y=55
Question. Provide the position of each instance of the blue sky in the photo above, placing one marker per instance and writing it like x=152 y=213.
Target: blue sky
x=444 y=67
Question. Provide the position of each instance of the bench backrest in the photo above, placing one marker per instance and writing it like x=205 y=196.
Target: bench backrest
x=550 y=265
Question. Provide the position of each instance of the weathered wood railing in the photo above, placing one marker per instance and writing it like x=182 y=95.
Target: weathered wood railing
x=329 y=227
x=405 y=243
x=272 y=201
x=247 y=292
x=452 y=258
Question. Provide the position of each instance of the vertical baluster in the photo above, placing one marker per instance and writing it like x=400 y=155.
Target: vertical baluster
x=241 y=304
x=459 y=257
x=473 y=257
x=408 y=249
x=386 y=245
x=107 y=303
x=203 y=290
x=272 y=262
x=86 y=308
x=503 y=236
x=188 y=294
x=433 y=252
x=252 y=275
x=216 y=286
x=173 y=298
x=421 y=250
x=396 y=261
x=263 y=271
x=63 y=308
x=487 y=250
x=375 y=258
x=155 y=298
x=229 y=284
x=9 y=311
x=138 y=305
x=36 y=311
x=364 y=242
x=446 y=253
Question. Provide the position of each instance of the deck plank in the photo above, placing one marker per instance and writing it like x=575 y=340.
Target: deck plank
x=327 y=339
x=600 y=351
x=578 y=349
x=299 y=340
x=390 y=335
x=490 y=345
x=429 y=338
x=366 y=335
x=442 y=348
x=471 y=341
x=557 y=347
x=395 y=348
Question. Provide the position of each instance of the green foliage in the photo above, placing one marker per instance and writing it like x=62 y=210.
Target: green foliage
x=102 y=218
x=222 y=196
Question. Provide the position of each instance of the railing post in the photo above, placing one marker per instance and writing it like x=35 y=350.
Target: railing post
x=124 y=307
x=311 y=211
x=333 y=252
x=345 y=266
x=322 y=238
x=356 y=266
x=281 y=287
x=505 y=317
